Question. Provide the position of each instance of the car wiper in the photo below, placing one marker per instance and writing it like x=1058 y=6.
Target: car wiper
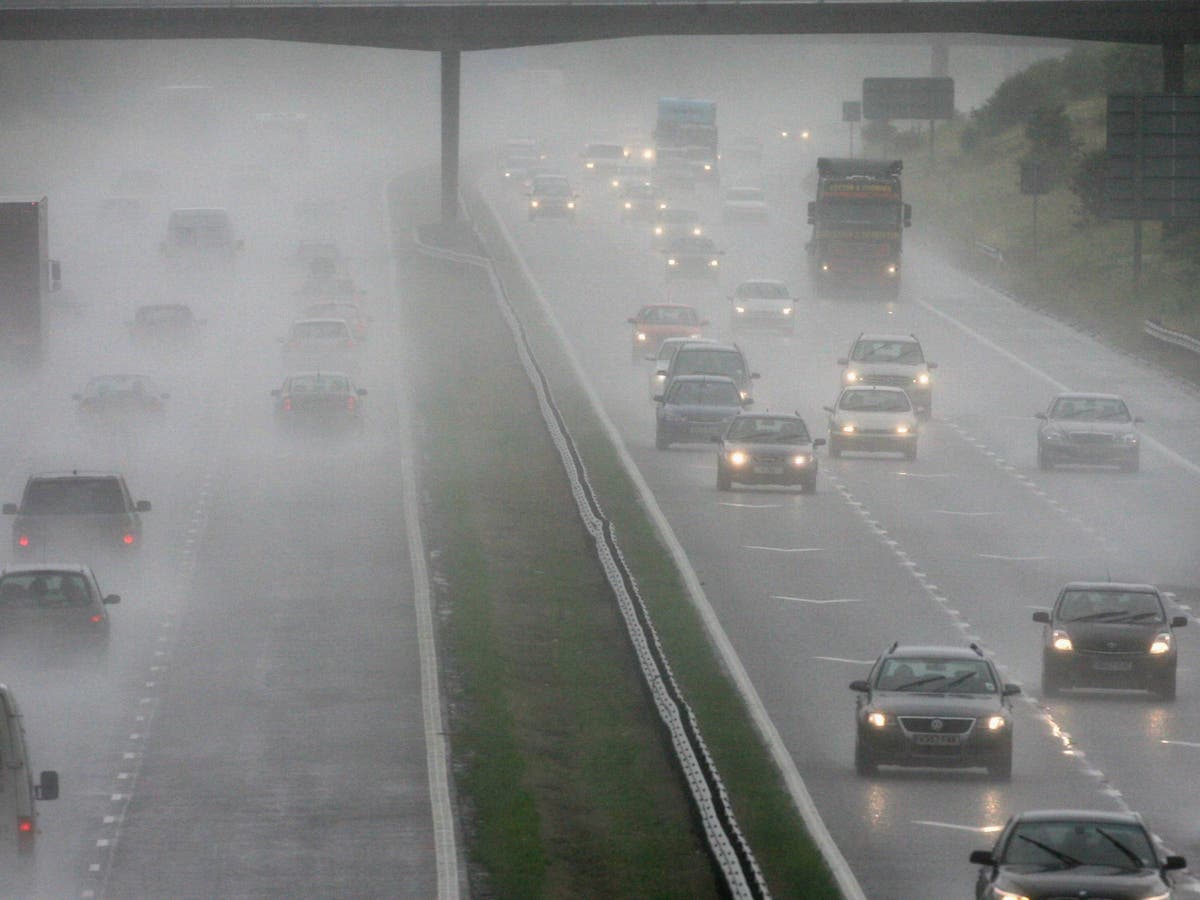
x=928 y=679
x=1134 y=617
x=961 y=678
x=1064 y=858
x=1096 y=616
x=1129 y=854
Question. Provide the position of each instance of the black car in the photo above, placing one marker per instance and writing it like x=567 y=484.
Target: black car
x=55 y=608
x=1092 y=429
x=934 y=706
x=318 y=400
x=767 y=449
x=693 y=257
x=696 y=408
x=1057 y=853
x=86 y=510
x=640 y=202
x=1103 y=634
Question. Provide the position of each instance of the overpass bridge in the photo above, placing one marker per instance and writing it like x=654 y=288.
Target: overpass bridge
x=453 y=27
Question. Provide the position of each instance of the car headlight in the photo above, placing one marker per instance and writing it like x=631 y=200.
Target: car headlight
x=848 y=428
x=641 y=335
x=1130 y=439
x=995 y=723
x=708 y=167
x=739 y=309
x=647 y=154
x=737 y=458
x=662 y=205
x=877 y=719
x=1001 y=894
x=658 y=230
x=508 y=174
x=745 y=395
x=799 y=460
x=714 y=262
x=628 y=205
x=892 y=269
x=824 y=267
x=901 y=428
x=696 y=231
x=1052 y=434
x=1161 y=644
x=570 y=204
x=534 y=203
x=787 y=311
x=1061 y=641
x=672 y=261
x=616 y=182
x=589 y=165
x=851 y=376
x=923 y=378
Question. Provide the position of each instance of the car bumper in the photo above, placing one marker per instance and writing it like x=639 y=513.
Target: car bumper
x=1116 y=670
x=1090 y=454
x=771 y=474
x=892 y=746
x=875 y=443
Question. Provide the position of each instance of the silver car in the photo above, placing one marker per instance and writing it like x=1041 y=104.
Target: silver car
x=874 y=419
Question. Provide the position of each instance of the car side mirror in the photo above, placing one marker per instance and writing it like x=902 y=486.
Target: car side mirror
x=716 y=439
x=112 y=598
x=931 y=365
x=1010 y=690
x=1175 y=862
x=860 y=686
x=362 y=392
x=843 y=361
x=828 y=409
x=1041 y=416
x=658 y=398
x=1042 y=616
x=1179 y=621
x=983 y=858
x=1138 y=420
x=277 y=393
x=77 y=397
x=10 y=509
x=143 y=506
x=47 y=786
x=631 y=321
x=755 y=375
x=818 y=442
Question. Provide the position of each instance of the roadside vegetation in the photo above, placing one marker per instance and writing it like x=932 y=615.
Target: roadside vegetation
x=564 y=777
x=1082 y=264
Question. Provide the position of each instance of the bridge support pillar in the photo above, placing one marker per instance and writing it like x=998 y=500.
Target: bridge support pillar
x=451 y=79
x=1172 y=57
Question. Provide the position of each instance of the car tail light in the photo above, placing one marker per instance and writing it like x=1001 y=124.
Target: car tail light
x=349 y=342
x=25 y=824
x=23 y=541
x=292 y=345
x=128 y=539
x=97 y=619
x=351 y=403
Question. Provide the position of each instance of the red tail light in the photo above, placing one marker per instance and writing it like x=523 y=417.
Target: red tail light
x=97 y=619
x=24 y=825
x=128 y=539
x=351 y=403
x=287 y=404
x=23 y=541
x=349 y=342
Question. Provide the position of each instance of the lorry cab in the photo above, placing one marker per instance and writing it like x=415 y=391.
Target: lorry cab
x=18 y=791
x=200 y=231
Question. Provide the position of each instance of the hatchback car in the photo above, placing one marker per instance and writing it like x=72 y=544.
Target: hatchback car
x=934 y=706
x=696 y=408
x=762 y=303
x=552 y=195
x=662 y=360
x=873 y=419
x=895 y=360
x=767 y=449
x=640 y=202
x=57 y=608
x=119 y=397
x=165 y=323
x=70 y=510
x=1056 y=853
x=712 y=358
x=1094 y=429
x=656 y=322
x=324 y=400
x=320 y=343
x=333 y=309
x=602 y=159
x=693 y=257
x=673 y=222
x=1103 y=634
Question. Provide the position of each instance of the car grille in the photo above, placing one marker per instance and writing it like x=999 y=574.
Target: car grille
x=1115 y=647
x=876 y=432
x=924 y=724
x=1090 y=437
x=900 y=381
x=701 y=419
x=758 y=460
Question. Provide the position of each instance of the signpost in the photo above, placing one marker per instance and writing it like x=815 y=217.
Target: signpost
x=1035 y=181
x=851 y=113
x=909 y=98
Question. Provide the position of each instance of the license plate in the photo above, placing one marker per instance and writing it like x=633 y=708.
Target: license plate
x=1112 y=665
x=768 y=470
x=937 y=740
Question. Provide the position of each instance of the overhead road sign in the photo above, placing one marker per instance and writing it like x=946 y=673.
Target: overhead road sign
x=908 y=98
x=1153 y=157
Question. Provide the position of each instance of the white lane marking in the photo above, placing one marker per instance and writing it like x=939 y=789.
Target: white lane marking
x=816 y=602
x=1181 y=743
x=1056 y=384
x=977 y=829
x=842 y=659
x=955 y=512
x=784 y=549
x=751 y=505
x=925 y=475
x=1010 y=558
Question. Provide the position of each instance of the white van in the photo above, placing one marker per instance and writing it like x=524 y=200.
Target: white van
x=18 y=792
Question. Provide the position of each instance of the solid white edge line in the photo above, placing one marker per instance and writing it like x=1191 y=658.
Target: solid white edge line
x=844 y=875
x=1166 y=451
x=445 y=843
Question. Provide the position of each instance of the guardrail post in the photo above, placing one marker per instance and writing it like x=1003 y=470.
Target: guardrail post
x=451 y=78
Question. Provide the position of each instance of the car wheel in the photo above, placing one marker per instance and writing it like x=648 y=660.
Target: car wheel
x=1164 y=686
x=1044 y=462
x=808 y=486
x=835 y=447
x=661 y=442
x=724 y=482
x=1132 y=464
x=1001 y=767
x=864 y=763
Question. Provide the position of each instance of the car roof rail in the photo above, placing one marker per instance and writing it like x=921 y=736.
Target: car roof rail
x=892 y=649
x=976 y=648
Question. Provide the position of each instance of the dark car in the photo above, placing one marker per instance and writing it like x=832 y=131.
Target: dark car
x=1058 y=853
x=57 y=608
x=164 y=323
x=693 y=257
x=711 y=358
x=1094 y=429
x=934 y=706
x=323 y=400
x=764 y=448
x=696 y=408
x=1103 y=634
x=66 y=510
x=552 y=195
x=640 y=202
x=120 y=396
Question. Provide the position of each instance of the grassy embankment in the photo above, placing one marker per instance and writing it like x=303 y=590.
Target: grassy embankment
x=1083 y=270
x=561 y=766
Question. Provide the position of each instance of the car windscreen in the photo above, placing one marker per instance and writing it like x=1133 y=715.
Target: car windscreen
x=552 y=187
x=875 y=401
x=700 y=361
x=679 y=216
x=703 y=393
x=1110 y=606
x=936 y=676
x=66 y=496
x=319 y=384
x=319 y=330
x=1090 y=409
x=107 y=385
x=764 y=290
x=753 y=429
x=42 y=590
x=907 y=353
x=1073 y=843
x=669 y=315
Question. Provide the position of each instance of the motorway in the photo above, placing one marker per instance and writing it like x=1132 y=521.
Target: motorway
x=960 y=545
x=257 y=727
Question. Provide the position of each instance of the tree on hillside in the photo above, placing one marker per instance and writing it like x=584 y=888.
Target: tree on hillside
x=1087 y=184
x=1017 y=97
